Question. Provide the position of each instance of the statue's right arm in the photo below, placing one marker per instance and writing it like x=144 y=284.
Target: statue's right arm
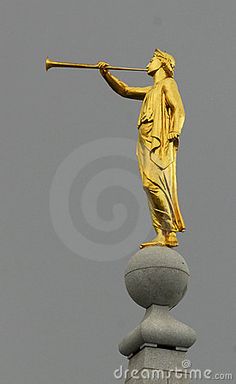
x=120 y=87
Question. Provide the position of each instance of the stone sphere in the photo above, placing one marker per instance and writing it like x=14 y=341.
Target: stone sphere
x=157 y=275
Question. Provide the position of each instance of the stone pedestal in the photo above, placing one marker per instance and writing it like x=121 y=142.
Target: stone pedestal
x=156 y=365
x=157 y=279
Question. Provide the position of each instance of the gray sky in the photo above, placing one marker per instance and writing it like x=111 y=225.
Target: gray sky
x=66 y=137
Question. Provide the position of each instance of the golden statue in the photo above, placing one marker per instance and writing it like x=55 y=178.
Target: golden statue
x=159 y=126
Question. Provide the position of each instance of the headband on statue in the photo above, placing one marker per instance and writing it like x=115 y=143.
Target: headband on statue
x=166 y=59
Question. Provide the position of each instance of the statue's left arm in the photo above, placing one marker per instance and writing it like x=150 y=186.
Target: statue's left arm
x=175 y=104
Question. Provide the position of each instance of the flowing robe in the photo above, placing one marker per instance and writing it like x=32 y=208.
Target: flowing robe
x=162 y=113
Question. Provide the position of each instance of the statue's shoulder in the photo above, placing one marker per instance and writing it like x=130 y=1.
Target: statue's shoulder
x=169 y=84
x=169 y=81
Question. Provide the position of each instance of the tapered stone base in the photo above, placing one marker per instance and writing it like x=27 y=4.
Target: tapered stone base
x=158 y=328
x=157 y=366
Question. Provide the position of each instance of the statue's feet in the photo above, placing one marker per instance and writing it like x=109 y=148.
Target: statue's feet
x=158 y=241
x=171 y=240
x=152 y=244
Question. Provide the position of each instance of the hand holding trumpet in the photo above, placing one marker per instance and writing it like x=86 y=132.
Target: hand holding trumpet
x=103 y=67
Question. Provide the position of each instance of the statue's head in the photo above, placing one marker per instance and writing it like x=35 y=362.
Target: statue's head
x=163 y=60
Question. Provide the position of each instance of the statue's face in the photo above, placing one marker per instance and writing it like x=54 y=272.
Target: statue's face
x=153 y=65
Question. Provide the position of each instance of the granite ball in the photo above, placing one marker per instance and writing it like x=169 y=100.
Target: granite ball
x=157 y=275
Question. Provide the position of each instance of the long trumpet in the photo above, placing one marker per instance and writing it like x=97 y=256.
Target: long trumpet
x=50 y=64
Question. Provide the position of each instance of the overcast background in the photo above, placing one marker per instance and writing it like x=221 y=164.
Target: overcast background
x=62 y=313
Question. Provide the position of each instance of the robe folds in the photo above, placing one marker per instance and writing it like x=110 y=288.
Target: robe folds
x=157 y=156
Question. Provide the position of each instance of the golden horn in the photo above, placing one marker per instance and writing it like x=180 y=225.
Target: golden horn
x=50 y=64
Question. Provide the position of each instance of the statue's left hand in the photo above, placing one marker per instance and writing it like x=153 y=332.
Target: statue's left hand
x=173 y=136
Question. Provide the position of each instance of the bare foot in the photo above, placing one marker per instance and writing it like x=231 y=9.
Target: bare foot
x=171 y=239
x=159 y=240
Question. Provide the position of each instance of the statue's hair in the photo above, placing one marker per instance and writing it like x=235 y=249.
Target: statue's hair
x=167 y=60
